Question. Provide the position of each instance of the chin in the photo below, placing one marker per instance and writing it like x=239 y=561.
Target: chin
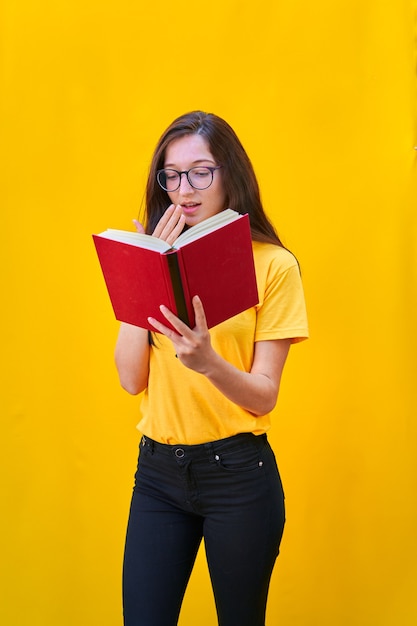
x=192 y=220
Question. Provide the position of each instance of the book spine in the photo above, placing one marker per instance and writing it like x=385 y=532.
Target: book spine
x=177 y=286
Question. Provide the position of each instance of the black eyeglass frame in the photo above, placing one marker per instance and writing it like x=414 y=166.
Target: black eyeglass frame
x=186 y=172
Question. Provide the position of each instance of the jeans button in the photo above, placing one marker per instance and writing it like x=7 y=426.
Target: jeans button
x=179 y=453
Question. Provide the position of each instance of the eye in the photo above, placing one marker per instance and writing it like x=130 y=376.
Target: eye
x=201 y=172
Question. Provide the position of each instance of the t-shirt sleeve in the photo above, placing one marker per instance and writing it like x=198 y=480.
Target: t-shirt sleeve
x=281 y=312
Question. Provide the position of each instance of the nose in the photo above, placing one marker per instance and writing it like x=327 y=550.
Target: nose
x=185 y=186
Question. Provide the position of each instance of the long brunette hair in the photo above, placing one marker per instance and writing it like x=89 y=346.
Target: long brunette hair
x=239 y=180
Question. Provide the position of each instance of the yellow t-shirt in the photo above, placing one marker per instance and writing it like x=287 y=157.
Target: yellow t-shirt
x=181 y=406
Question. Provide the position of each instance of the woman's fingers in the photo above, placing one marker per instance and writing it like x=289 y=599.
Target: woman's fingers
x=170 y=225
x=200 y=316
x=161 y=328
x=139 y=227
x=163 y=221
x=181 y=328
x=176 y=323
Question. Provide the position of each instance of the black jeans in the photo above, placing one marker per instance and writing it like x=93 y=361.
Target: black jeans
x=227 y=491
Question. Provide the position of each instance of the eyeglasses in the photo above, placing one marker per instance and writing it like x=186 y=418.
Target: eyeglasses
x=198 y=177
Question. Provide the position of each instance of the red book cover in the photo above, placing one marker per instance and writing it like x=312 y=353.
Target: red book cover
x=217 y=266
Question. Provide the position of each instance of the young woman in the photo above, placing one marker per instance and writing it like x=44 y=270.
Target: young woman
x=205 y=468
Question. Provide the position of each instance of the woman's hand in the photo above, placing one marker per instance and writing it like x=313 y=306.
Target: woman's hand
x=191 y=346
x=169 y=227
x=257 y=390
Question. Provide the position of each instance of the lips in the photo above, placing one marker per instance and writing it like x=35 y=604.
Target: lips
x=188 y=209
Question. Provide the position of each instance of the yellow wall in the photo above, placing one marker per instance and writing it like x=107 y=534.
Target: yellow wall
x=323 y=96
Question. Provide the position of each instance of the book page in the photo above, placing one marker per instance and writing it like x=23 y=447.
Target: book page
x=136 y=239
x=205 y=227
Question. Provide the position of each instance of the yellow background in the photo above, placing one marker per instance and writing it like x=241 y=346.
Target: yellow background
x=323 y=96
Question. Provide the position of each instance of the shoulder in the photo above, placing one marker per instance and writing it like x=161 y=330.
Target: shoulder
x=268 y=256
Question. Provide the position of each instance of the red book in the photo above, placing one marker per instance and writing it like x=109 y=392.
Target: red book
x=213 y=260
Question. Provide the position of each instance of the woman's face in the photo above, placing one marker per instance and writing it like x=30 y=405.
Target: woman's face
x=197 y=204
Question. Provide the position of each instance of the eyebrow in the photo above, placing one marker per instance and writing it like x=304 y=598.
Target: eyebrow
x=193 y=162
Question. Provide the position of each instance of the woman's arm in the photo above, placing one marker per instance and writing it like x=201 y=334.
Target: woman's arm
x=257 y=390
x=132 y=358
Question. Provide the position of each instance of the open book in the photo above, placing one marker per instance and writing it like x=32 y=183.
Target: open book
x=212 y=259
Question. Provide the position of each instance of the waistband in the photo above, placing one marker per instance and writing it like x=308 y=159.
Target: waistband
x=196 y=451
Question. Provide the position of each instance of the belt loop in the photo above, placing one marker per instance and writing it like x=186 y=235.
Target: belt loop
x=148 y=443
